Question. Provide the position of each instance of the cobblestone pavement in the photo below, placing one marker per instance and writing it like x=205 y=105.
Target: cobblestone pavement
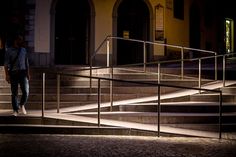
x=46 y=145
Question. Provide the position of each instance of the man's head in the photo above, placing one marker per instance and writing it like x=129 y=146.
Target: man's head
x=16 y=41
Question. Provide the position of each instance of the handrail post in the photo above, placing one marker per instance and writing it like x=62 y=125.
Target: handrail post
x=159 y=111
x=111 y=90
x=182 y=63
x=200 y=74
x=99 y=100
x=108 y=53
x=220 y=115
x=90 y=74
x=43 y=95
x=224 y=71
x=144 y=57
x=112 y=76
x=159 y=72
x=108 y=65
x=58 y=92
x=90 y=79
x=216 y=69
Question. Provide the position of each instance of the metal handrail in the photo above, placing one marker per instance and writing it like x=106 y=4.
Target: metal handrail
x=95 y=52
x=145 y=63
x=127 y=81
x=185 y=60
x=160 y=44
x=144 y=47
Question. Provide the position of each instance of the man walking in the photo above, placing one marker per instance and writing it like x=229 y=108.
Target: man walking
x=16 y=68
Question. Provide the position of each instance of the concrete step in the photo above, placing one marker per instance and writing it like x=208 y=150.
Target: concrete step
x=83 y=82
x=229 y=90
x=177 y=107
x=72 y=130
x=166 y=118
x=125 y=73
x=39 y=125
x=230 y=98
x=86 y=89
x=78 y=97
x=37 y=105
x=205 y=127
x=7 y=118
x=62 y=125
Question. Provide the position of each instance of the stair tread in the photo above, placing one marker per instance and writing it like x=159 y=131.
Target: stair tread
x=154 y=114
x=184 y=103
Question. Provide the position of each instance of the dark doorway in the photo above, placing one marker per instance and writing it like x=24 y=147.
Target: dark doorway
x=132 y=22
x=12 y=15
x=72 y=25
x=195 y=36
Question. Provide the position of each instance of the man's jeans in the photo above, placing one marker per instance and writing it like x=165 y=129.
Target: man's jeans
x=19 y=78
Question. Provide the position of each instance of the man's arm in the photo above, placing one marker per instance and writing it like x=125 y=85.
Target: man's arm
x=6 y=66
x=27 y=66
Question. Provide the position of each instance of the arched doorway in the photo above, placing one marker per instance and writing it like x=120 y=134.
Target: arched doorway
x=72 y=32
x=133 y=21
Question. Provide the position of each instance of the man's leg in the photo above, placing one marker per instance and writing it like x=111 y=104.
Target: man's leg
x=14 y=92
x=24 y=85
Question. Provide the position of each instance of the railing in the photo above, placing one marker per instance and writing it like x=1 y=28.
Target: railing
x=223 y=56
x=108 y=43
x=159 y=86
x=159 y=63
x=109 y=64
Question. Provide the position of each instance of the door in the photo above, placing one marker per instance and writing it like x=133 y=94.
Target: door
x=72 y=23
x=133 y=23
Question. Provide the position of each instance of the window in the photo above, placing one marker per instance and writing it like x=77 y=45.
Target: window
x=229 y=34
x=179 y=9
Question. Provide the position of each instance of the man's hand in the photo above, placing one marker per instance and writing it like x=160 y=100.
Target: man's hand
x=28 y=77
x=7 y=78
x=28 y=74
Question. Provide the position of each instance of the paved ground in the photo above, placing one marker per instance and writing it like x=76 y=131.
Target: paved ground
x=45 y=145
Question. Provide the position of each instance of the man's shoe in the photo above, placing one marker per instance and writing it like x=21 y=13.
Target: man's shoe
x=23 y=109
x=15 y=114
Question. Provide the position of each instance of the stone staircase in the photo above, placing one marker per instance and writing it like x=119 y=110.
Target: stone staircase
x=76 y=92
x=197 y=111
x=134 y=104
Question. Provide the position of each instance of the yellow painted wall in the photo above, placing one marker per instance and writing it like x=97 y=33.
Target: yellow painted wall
x=176 y=31
x=103 y=19
x=153 y=4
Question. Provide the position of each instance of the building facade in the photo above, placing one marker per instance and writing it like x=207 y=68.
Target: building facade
x=67 y=32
